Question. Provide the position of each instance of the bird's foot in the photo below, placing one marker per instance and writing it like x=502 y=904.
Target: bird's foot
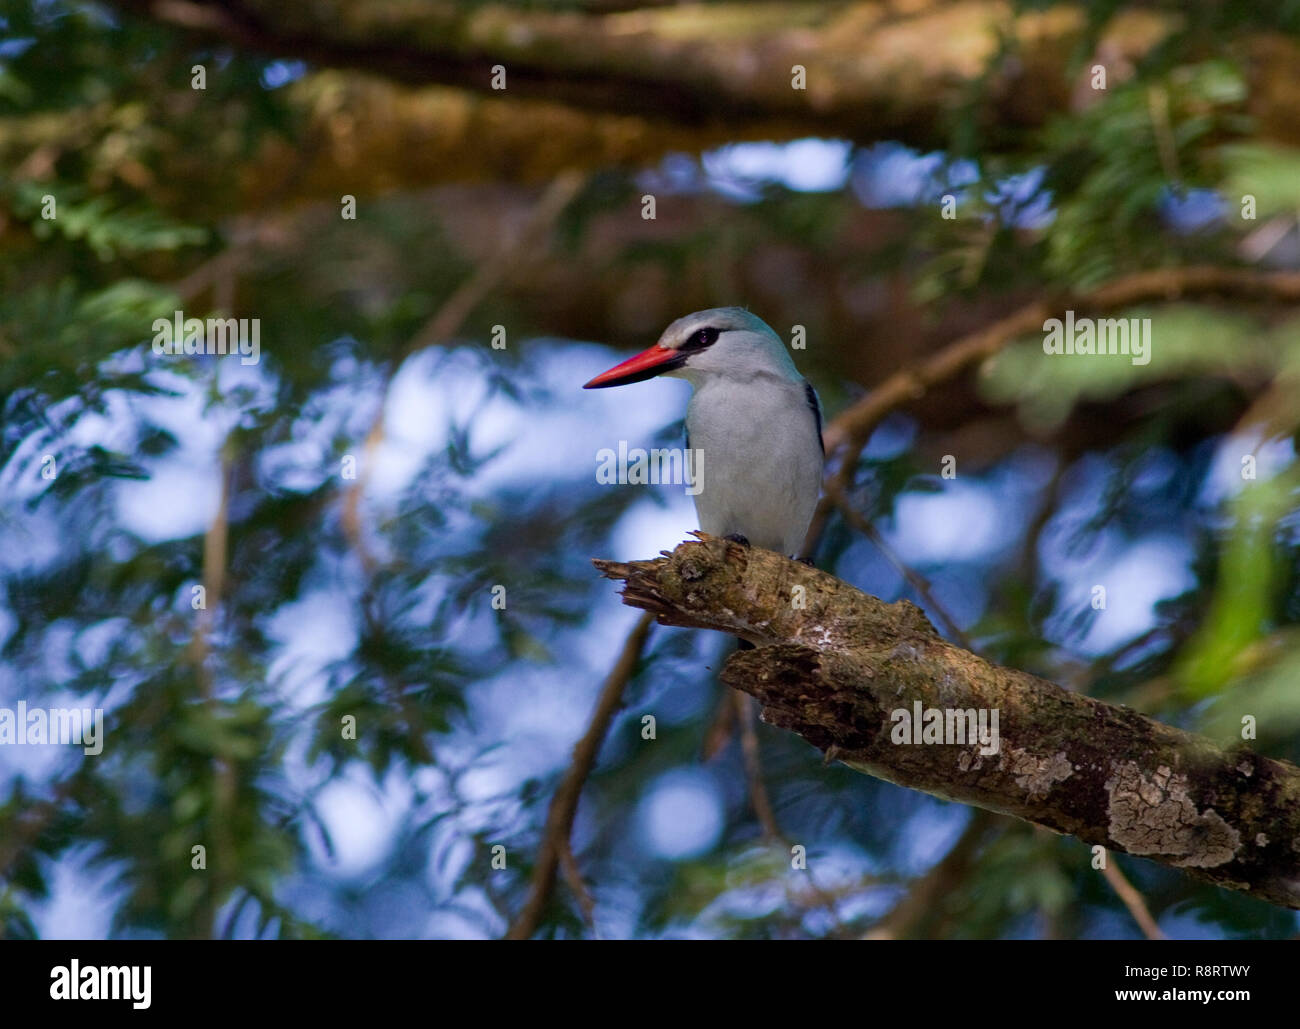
x=736 y=537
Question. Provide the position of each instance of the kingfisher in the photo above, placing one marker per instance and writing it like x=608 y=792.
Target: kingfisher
x=756 y=421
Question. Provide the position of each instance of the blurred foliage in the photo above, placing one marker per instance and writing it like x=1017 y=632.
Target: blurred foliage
x=1188 y=340
x=217 y=736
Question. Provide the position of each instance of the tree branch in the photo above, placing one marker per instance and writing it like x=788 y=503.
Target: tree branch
x=833 y=664
x=855 y=423
x=875 y=70
x=848 y=432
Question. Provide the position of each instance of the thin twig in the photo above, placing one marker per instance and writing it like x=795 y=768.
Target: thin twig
x=758 y=797
x=351 y=517
x=1133 y=900
x=489 y=275
x=722 y=726
x=225 y=785
x=445 y=323
x=903 y=917
x=564 y=805
x=573 y=876
x=917 y=581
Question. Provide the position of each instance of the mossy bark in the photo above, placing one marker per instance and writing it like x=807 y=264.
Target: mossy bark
x=835 y=665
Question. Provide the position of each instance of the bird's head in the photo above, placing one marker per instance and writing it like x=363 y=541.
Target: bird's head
x=724 y=341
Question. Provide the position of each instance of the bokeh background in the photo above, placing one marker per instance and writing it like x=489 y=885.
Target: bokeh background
x=331 y=594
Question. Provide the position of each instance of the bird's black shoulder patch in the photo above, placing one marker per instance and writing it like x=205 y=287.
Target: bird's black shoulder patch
x=816 y=406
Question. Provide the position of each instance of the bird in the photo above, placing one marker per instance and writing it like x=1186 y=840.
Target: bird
x=754 y=419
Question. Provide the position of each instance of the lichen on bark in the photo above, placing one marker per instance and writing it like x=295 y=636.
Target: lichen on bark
x=833 y=666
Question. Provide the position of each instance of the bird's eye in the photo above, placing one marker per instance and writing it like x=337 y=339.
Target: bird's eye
x=700 y=339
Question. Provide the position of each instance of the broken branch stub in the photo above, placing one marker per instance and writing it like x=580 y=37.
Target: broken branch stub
x=872 y=684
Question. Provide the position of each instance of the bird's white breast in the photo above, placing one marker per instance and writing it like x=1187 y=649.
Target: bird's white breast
x=760 y=458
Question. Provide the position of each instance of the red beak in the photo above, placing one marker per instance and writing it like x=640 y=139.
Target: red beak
x=646 y=365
